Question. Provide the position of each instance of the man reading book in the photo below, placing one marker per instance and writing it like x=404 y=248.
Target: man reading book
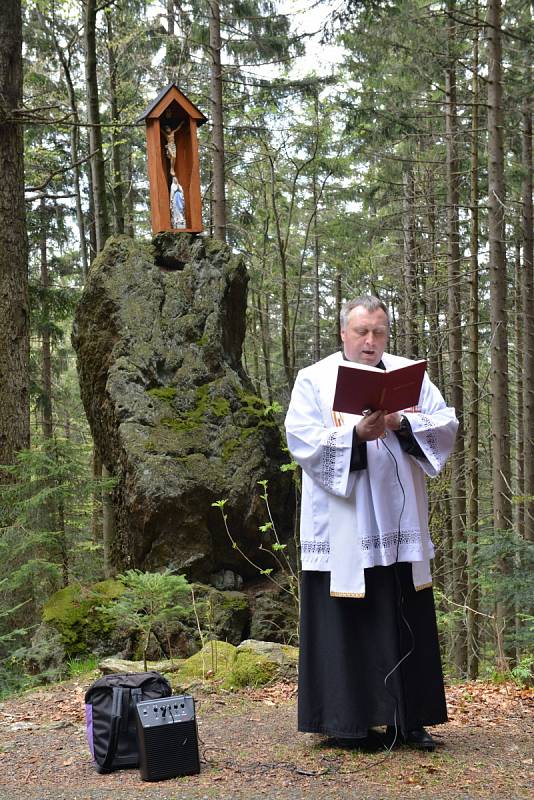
x=369 y=652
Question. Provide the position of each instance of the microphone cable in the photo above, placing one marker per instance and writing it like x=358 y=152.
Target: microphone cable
x=400 y=602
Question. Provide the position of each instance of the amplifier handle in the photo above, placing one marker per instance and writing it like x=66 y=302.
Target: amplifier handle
x=119 y=712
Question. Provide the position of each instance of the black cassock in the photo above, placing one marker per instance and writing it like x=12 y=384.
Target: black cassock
x=349 y=645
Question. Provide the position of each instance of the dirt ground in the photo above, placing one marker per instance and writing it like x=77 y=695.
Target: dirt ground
x=250 y=749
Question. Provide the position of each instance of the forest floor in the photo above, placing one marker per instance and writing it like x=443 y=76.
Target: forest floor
x=250 y=749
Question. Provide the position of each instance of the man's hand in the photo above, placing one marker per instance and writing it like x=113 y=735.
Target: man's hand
x=371 y=426
x=393 y=421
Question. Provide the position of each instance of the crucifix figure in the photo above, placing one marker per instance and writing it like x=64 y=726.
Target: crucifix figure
x=170 y=147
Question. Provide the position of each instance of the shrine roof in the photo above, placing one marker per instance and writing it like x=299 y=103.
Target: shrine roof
x=174 y=93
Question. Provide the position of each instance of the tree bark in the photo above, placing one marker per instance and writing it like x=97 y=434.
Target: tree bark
x=98 y=171
x=74 y=144
x=116 y=169
x=500 y=404
x=108 y=526
x=217 y=139
x=527 y=291
x=409 y=320
x=316 y=249
x=519 y=344
x=472 y=428
x=339 y=303
x=14 y=304
x=46 y=362
x=454 y=319
x=130 y=197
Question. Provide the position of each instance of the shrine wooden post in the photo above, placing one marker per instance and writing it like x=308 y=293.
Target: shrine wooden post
x=172 y=152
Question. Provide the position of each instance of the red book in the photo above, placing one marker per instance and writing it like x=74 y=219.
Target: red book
x=360 y=388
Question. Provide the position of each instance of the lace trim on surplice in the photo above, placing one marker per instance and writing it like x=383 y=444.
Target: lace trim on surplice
x=431 y=439
x=329 y=460
x=384 y=541
x=310 y=546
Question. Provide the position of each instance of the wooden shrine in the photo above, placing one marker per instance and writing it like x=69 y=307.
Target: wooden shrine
x=173 y=165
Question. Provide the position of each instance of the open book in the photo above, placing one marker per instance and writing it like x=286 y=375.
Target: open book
x=360 y=388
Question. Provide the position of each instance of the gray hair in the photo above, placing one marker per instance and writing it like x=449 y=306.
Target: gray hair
x=367 y=301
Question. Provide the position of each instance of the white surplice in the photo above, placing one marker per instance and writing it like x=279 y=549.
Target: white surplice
x=368 y=517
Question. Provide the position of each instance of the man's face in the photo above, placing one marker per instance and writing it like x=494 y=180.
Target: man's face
x=365 y=335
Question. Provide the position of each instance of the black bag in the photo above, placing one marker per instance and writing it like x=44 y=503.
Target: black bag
x=110 y=716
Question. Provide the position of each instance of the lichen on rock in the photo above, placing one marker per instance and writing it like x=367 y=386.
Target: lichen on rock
x=171 y=409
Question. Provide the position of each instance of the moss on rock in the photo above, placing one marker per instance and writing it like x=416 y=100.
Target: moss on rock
x=73 y=612
x=250 y=669
x=171 y=409
x=214 y=661
x=167 y=393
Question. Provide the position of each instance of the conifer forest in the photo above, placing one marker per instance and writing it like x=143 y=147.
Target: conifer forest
x=351 y=146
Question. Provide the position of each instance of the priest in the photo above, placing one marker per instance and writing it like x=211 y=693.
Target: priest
x=369 y=654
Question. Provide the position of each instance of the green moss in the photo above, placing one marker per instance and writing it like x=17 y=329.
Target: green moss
x=207 y=404
x=249 y=669
x=252 y=404
x=179 y=424
x=210 y=404
x=167 y=393
x=229 y=447
x=256 y=410
x=215 y=660
x=73 y=613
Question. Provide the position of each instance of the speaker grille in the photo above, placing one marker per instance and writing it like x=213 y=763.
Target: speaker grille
x=167 y=748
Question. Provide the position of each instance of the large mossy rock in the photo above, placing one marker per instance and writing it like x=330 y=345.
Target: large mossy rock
x=158 y=335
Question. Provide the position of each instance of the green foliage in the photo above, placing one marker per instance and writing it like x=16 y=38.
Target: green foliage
x=513 y=586
x=45 y=535
x=80 y=667
x=42 y=660
x=148 y=604
x=523 y=673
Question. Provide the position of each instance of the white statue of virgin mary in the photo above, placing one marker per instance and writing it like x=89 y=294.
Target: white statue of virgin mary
x=177 y=203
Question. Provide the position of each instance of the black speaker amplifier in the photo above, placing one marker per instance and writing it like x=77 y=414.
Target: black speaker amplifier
x=167 y=738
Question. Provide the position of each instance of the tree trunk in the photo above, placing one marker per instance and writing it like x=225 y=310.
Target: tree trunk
x=108 y=526
x=91 y=219
x=96 y=521
x=98 y=171
x=169 y=60
x=130 y=197
x=74 y=146
x=527 y=291
x=316 y=251
x=519 y=344
x=454 y=320
x=472 y=470
x=339 y=303
x=433 y=301
x=316 y=278
x=217 y=140
x=46 y=362
x=14 y=304
x=500 y=405
x=116 y=171
x=409 y=320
